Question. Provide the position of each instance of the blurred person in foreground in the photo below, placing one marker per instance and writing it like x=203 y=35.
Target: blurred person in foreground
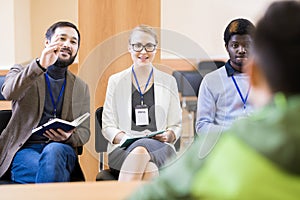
x=259 y=157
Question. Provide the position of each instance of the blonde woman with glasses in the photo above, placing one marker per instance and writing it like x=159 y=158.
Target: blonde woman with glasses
x=140 y=101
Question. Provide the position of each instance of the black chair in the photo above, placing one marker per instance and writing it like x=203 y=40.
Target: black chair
x=178 y=77
x=5 y=116
x=2 y=78
x=191 y=81
x=188 y=85
x=101 y=148
x=208 y=66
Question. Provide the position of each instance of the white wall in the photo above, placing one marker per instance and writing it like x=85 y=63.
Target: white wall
x=46 y=12
x=22 y=31
x=190 y=28
x=24 y=23
x=15 y=32
x=204 y=22
x=7 y=33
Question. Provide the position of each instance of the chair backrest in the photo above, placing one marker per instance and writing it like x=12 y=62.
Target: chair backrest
x=178 y=76
x=2 y=78
x=208 y=66
x=188 y=82
x=101 y=147
x=191 y=81
x=100 y=140
x=5 y=116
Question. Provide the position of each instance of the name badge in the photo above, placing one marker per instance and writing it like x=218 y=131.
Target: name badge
x=141 y=115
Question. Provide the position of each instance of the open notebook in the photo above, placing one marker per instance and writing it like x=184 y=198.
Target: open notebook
x=60 y=124
x=129 y=141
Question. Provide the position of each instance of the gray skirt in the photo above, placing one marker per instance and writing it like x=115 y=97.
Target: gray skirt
x=160 y=153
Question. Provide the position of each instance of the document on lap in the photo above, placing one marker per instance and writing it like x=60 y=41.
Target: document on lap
x=60 y=124
x=129 y=141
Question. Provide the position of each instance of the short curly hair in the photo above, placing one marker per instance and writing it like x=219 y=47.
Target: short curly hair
x=238 y=27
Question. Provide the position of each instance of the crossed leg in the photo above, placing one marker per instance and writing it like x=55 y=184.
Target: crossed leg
x=137 y=166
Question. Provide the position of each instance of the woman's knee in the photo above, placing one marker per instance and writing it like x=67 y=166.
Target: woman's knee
x=140 y=150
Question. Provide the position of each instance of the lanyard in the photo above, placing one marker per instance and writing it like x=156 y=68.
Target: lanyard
x=149 y=78
x=244 y=100
x=51 y=95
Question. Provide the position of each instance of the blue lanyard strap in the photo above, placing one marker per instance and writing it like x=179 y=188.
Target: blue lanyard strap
x=244 y=100
x=51 y=95
x=137 y=83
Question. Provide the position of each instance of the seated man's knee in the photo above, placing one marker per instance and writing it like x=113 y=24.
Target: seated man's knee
x=58 y=150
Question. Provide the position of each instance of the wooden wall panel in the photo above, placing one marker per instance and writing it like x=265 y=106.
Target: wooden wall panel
x=101 y=22
x=101 y=19
x=3 y=72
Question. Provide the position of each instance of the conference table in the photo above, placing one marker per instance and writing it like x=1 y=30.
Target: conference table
x=75 y=190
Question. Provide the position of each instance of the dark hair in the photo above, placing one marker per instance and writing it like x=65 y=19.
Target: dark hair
x=277 y=45
x=240 y=27
x=52 y=29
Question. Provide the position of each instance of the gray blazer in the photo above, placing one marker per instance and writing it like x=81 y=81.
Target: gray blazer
x=25 y=86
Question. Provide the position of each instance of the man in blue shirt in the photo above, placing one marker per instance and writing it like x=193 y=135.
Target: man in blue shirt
x=223 y=93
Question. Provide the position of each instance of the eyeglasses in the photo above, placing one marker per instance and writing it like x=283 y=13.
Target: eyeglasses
x=138 y=47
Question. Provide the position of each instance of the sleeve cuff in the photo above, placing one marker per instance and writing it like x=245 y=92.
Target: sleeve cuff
x=37 y=60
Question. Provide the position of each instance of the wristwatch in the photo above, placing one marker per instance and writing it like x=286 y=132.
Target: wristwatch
x=37 y=60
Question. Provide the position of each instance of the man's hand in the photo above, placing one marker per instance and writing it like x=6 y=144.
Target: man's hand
x=50 y=53
x=59 y=135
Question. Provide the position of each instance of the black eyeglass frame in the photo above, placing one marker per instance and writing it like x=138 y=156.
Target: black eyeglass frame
x=143 y=47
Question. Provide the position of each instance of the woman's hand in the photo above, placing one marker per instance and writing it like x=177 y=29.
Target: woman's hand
x=119 y=137
x=167 y=136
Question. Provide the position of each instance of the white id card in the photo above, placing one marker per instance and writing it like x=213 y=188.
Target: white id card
x=141 y=115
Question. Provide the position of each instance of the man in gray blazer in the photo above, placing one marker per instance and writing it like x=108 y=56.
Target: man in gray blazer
x=43 y=90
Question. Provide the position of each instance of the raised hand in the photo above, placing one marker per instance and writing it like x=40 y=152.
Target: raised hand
x=50 y=52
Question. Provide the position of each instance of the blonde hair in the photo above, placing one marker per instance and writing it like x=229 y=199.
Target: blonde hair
x=145 y=29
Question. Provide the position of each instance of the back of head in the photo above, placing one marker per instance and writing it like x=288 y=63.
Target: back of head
x=277 y=45
x=238 y=27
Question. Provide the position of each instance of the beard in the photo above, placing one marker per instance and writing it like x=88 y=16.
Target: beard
x=240 y=64
x=65 y=63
